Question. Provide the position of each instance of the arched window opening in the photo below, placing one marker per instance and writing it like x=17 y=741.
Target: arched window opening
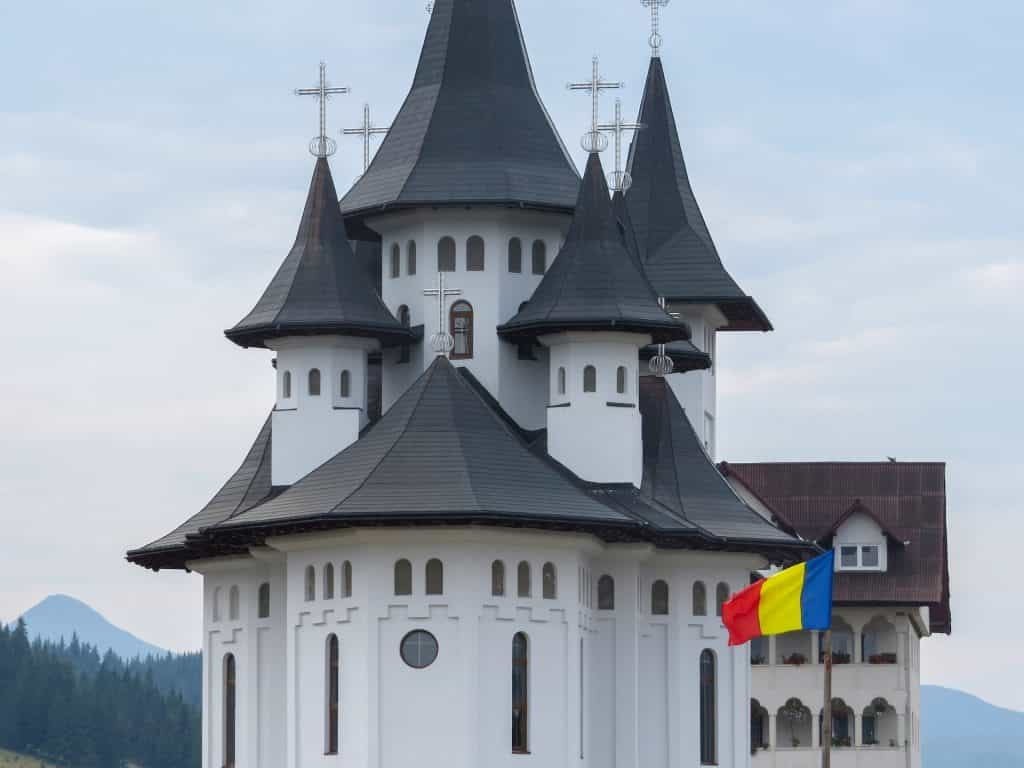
x=842 y=643
x=403 y=577
x=346 y=579
x=230 y=710
x=842 y=724
x=345 y=384
x=404 y=352
x=523 y=579
x=498 y=578
x=590 y=379
x=621 y=377
x=793 y=725
x=659 y=598
x=878 y=642
x=435 y=577
x=286 y=385
x=721 y=597
x=310 y=583
x=515 y=255
x=520 y=693
x=332 y=687
x=329 y=581
x=446 y=255
x=879 y=724
x=540 y=257
x=549 y=581
x=410 y=258
x=233 y=600
x=561 y=380
x=759 y=726
x=606 y=593
x=263 y=601
x=475 y=254
x=314 y=382
x=700 y=599
x=396 y=260
x=708 y=698
x=759 y=650
x=215 y=608
x=461 y=321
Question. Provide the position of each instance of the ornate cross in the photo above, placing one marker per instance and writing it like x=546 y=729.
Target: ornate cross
x=655 y=38
x=367 y=131
x=661 y=364
x=442 y=342
x=595 y=141
x=322 y=145
x=620 y=180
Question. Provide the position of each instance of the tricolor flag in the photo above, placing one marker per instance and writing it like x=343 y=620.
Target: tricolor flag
x=796 y=598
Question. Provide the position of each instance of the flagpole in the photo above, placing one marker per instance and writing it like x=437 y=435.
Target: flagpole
x=826 y=735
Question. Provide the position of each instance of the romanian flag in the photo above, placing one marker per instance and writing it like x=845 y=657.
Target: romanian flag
x=796 y=598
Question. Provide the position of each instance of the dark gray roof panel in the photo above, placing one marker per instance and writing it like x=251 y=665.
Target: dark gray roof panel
x=472 y=129
x=321 y=288
x=594 y=284
x=676 y=248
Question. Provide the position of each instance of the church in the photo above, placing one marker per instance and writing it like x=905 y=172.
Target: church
x=482 y=524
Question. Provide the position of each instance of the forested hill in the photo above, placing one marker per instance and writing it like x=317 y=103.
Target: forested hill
x=69 y=705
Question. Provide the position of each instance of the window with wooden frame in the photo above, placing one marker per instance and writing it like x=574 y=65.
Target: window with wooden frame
x=461 y=322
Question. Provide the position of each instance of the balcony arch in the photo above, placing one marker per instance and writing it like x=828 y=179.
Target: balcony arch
x=878 y=642
x=793 y=728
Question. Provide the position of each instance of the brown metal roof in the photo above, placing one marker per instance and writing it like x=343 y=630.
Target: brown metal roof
x=907 y=499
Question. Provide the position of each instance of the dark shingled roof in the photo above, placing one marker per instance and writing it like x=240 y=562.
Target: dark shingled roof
x=594 y=284
x=908 y=499
x=679 y=474
x=320 y=288
x=472 y=129
x=676 y=248
x=685 y=356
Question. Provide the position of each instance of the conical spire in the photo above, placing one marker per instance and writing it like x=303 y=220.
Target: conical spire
x=594 y=284
x=678 y=254
x=472 y=129
x=320 y=288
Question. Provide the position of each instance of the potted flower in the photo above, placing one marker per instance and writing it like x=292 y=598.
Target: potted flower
x=795 y=659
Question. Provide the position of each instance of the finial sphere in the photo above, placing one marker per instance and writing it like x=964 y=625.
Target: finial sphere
x=442 y=343
x=661 y=364
x=594 y=141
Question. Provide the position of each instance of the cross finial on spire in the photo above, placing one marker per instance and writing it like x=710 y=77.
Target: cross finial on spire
x=367 y=130
x=655 y=39
x=619 y=180
x=595 y=141
x=442 y=342
x=322 y=145
x=661 y=364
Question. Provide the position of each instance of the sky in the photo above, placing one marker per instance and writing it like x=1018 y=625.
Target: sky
x=858 y=163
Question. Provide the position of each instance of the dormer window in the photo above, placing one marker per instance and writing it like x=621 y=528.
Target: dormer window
x=860 y=542
x=860 y=557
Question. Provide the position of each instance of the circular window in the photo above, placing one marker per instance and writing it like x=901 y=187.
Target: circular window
x=419 y=649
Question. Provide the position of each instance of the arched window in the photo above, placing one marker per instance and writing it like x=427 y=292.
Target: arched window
x=498 y=578
x=659 y=598
x=590 y=379
x=230 y=710
x=314 y=382
x=435 y=577
x=561 y=380
x=549 y=581
x=540 y=257
x=878 y=642
x=333 y=673
x=523 y=579
x=606 y=593
x=410 y=258
x=621 y=376
x=721 y=597
x=310 y=584
x=793 y=725
x=708 y=698
x=462 y=330
x=286 y=385
x=346 y=579
x=404 y=318
x=842 y=642
x=475 y=254
x=515 y=255
x=446 y=255
x=520 y=693
x=329 y=581
x=403 y=577
x=345 y=384
x=263 y=601
x=759 y=726
x=396 y=260
x=233 y=604
x=700 y=599
x=215 y=608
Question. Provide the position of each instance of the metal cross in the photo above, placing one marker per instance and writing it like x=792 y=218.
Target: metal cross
x=655 y=39
x=322 y=145
x=620 y=180
x=441 y=342
x=595 y=141
x=367 y=131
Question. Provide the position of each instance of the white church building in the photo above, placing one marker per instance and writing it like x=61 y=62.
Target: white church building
x=482 y=525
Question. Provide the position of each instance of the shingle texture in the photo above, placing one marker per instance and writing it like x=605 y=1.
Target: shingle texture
x=594 y=284
x=472 y=129
x=907 y=498
x=321 y=288
x=675 y=246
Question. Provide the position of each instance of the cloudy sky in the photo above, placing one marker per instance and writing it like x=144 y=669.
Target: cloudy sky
x=858 y=161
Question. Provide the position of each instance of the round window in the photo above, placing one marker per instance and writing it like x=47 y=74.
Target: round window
x=419 y=649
